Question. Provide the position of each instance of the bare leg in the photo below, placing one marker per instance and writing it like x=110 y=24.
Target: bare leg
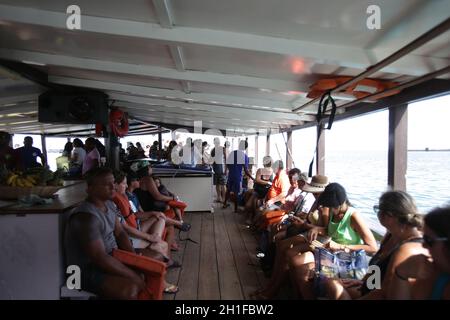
x=283 y=252
x=115 y=287
x=219 y=193
x=223 y=191
x=301 y=266
x=178 y=214
x=154 y=226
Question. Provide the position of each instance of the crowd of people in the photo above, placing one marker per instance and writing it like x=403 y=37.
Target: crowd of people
x=298 y=221
x=301 y=221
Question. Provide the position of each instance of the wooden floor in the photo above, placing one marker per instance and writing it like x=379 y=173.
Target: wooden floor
x=222 y=265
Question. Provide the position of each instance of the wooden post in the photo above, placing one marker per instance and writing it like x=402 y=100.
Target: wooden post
x=398 y=147
x=320 y=161
x=44 y=149
x=289 y=160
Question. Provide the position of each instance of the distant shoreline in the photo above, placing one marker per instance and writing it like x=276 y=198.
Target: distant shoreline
x=429 y=150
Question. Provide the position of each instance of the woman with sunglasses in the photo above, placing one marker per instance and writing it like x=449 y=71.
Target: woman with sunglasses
x=398 y=213
x=422 y=276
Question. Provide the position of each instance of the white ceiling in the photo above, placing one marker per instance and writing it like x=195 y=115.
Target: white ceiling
x=231 y=64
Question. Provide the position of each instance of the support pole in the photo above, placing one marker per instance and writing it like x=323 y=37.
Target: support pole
x=44 y=149
x=159 y=143
x=256 y=151
x=289 y=162
x=398 y=147
x=112 y=151
x=268 y=144
x=320 y=163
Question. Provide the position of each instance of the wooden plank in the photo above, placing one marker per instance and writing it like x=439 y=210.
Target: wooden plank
x=229 y=284
x=250 y=244
x=247 y=274
x=188 y=281
x=208 y=282
x=173 y=275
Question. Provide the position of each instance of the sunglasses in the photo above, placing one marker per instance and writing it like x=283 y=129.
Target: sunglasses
x=429 y=241
x=376 y=209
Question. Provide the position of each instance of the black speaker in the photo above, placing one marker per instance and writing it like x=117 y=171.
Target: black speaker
x=87 y=107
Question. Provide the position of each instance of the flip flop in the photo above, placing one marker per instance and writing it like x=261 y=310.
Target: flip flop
x=174 y=264
x=171 y=289
x=225 y=206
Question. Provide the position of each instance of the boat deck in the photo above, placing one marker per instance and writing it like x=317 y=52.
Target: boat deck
x=222 y=265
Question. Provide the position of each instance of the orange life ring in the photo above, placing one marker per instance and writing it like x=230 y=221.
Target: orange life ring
x=118 y=121
x=359 y=90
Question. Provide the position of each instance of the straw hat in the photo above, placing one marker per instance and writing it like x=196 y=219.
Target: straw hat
x=317 y=184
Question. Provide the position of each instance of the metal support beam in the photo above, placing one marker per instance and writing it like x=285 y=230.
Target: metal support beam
x=289 y=160
x=112 y=151
x=320 y=161
x=256 y=150
x=44 y=148
x=268 y=144
x=159 y=143
x=398 y=147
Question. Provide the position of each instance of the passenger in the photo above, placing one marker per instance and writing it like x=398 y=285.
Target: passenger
x=29 y=154
x=77 y=159
x=93 y=231
x=153 y=154
x=236 y=162
x=140 y=150
x=152 y=200
x=424 y=277
x=398 y=213
x=133 y=184
x=291 y=200
x=92 y=158
x=280 y=187
x=62 y=162
x=218 y=166
x=146 y=236
x=263 y=182
x=9 y=158
x=180 y=206
x=294 y=237
x=345 y=228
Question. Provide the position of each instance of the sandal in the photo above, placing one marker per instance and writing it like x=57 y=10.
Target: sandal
x=225 y=206
x=174 y=264
x=185 y=227
x=171 y=289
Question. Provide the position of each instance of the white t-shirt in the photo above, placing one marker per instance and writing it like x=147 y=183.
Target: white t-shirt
x=81 y=154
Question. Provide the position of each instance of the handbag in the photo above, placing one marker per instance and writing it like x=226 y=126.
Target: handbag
x=338 y=265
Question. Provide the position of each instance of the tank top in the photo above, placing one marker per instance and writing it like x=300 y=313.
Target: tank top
x=75 y=254
x=342 y=231
x=383 y=262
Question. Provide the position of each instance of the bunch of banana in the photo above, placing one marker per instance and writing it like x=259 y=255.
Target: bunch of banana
x=16 y=180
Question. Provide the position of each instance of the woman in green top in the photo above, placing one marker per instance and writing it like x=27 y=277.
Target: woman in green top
x=345 y=227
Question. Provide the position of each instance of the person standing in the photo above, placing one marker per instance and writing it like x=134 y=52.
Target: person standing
x=29 y=154
x=236 y=162
x=218 y=166
x=9 y=158
x=92 y=158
